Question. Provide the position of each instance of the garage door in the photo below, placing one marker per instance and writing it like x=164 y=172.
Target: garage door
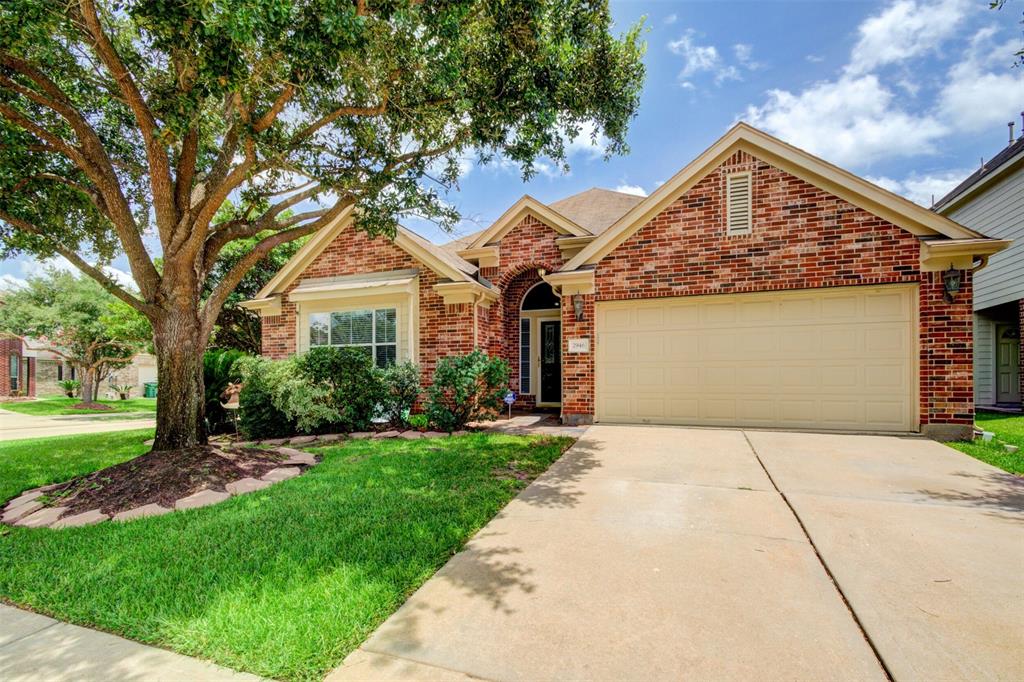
x=821 y=359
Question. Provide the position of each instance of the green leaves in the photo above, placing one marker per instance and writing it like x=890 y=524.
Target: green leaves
x=466 y=388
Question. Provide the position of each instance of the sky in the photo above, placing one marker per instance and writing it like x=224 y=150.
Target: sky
x=910 y=94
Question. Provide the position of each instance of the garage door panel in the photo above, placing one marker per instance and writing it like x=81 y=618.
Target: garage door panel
x=829 y=359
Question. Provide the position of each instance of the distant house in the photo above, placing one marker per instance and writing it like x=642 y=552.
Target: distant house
x=991 y=201
x=51 y=369
x=17 y=368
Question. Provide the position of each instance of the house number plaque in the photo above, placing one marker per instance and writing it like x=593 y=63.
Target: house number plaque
x=579 y=345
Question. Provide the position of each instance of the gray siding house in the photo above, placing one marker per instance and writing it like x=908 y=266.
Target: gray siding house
x=991 y=201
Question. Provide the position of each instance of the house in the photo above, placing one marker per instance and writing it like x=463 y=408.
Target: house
x=51 y=369
x=17 y=368
x=991 y=200
x=760 y=286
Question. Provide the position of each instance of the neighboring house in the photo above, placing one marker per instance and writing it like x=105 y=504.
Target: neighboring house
x=760 y=286
x=991 y=200
x=51 y=369
x=17 y=368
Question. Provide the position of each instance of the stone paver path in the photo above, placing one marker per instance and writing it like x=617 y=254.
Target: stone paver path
x=35 y=648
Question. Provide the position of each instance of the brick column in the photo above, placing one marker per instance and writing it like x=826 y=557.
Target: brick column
x=578 y=368
x=1020 y=347
x=947 y=356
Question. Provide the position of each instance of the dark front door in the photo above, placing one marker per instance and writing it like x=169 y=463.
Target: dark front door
x=550 y=361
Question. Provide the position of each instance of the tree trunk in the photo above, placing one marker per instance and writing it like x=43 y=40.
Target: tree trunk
x=88 y=386
x=180 y=401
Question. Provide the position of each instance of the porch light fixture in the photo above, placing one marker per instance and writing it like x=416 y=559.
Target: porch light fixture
x=577 y=307
x=951 y=281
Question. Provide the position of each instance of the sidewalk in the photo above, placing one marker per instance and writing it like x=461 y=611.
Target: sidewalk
x=14 y=426
x=35 y=648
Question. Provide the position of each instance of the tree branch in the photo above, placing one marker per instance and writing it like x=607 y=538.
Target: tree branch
x=97 y=274
x=213 y=305
x=267 y=119
x=159 y=165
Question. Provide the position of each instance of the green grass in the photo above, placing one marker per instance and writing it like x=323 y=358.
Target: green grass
x=1008 y=428
x=283 y=582
x=30 y=463
x=63 y=405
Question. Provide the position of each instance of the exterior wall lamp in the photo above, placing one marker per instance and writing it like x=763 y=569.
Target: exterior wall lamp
x=577 y=307
x=951 y=282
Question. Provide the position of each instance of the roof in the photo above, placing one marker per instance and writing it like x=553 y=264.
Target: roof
x=596 y=209
x=743 y=137
x=994 y=165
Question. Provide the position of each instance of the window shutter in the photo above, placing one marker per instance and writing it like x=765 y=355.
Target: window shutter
x=739 y=202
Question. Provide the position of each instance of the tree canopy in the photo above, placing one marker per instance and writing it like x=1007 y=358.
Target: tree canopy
x=125 y=127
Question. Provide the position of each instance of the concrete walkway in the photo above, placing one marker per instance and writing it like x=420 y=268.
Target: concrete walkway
x=35 y=648
x=15 y=426
x=672 y=553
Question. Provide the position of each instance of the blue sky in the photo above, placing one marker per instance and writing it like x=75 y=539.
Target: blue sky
x=908 y=93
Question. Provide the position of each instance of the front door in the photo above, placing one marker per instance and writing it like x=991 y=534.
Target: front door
x=1007 y=364
x=550 y=361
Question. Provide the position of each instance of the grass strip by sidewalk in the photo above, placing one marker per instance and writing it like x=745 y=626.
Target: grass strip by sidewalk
x=283 y=582
x=60 y=406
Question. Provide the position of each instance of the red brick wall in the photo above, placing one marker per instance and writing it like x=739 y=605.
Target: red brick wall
x=10 y=346
x=1020 y=365
x=802 y=237
x=443 y=330
x=578 y=368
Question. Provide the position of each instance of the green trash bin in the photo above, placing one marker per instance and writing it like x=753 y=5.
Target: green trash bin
x=149 y=389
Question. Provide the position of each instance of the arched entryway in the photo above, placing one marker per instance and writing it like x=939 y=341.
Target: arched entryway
x=540 y=345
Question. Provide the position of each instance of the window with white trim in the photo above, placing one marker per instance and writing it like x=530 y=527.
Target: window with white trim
x=15 y=371
x=376 y=330
x=738 y=203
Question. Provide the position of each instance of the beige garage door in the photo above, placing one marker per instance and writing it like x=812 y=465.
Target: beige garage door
x=821 y=359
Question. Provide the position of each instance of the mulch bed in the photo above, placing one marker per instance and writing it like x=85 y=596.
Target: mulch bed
x=162 y=477
x=96 y=407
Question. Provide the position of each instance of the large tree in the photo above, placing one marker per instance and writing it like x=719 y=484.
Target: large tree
x=74 y=317
x=125 y=126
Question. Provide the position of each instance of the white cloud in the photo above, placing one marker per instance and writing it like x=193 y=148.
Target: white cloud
x=588 y=141
x=696 y=58
x=670 y=19
x=923 y=189
x=745 y=56
x=850 y=121
x=9 y=282
x=30 y=267
x=632 y=189
x=904 y=30
x=980 y=90
x=814 y=58
x=120 y=277
x=706 y=59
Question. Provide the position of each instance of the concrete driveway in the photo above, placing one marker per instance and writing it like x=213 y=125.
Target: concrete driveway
x=15 y=426
x=672 y=553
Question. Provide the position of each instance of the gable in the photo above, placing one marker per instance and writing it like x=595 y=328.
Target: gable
x=898 y=211
x=446 y=265
x=527 y=206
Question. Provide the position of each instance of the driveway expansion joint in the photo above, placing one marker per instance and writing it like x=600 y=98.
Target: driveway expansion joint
x=824 y=565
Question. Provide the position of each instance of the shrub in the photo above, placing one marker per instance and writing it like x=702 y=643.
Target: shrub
x=353 y=384
x=418 y=421
x=466 y=388
x=70 y=387
x=259 y=417
x=123 y=391
x=218 y=371
x=401 y=389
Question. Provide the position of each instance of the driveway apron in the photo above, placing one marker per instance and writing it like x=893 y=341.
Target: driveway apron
x=644 y=553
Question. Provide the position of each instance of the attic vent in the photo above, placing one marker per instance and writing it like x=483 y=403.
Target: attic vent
x=738 y=204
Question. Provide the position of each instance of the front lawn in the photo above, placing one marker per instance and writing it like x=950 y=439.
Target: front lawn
x=283 y=582
x=1008 y=428
x=62 y=405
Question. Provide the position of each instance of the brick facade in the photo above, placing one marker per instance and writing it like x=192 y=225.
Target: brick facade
x=12 y=346
x=1020 y=346
x=802 y=238
x=443 y=330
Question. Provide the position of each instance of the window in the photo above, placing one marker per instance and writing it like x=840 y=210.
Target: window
x=541 y=297
x=374 y=330
x=15 y=369
x=739 y=200
x=524 y=355
x=60 y=371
